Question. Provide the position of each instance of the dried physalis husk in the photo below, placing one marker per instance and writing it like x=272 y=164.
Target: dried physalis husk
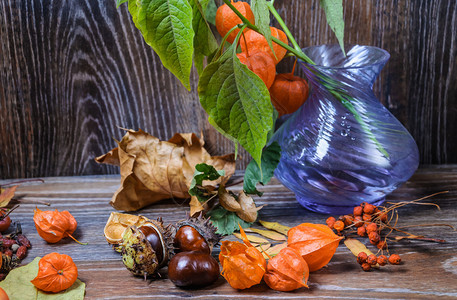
x=242 y=265
x=117 y=223
x=287 y=271
x=316 y=243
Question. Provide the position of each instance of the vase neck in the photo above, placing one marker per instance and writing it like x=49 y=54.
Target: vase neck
x=359 y=69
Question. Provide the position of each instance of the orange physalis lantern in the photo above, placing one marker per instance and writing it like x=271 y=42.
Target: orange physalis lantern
x=316 y=243
x=226 y=19
x=287 y=271
x=53 y=226
x=288 y=92
x=242 y=264
x=256 y=41
x=261 y=64
x=56 y=272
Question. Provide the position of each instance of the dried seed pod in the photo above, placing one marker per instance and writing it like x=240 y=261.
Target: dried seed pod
x=196 y=234
x=358 y=222
x=338 y=226
x=228 y=201
x=248 y=210
x=147 y=248
x=118 y=223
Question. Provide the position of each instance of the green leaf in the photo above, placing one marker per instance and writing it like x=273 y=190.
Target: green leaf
x=211 y=121
x=204 y=41
x=119 y=2
x=334 y=14
x=226 y=221
x=252 y=175
x=237 y=101
x=18 y=286
x=210 y=13
x=262 y=19
x=166 y=26
x=203 y=172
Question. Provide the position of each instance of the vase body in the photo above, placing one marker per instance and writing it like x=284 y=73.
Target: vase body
x=338 y=154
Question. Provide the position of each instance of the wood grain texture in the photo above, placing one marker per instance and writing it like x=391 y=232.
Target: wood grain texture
x=428 y=271
x=73 y=72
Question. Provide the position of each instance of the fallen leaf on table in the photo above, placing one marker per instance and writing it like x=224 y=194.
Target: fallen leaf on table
x=225 y=221
x=6 y=195
x=274 y=235
x=153 y=170
x=275 y=226
x=252 y=238
x=273 y=251
x=18 y=286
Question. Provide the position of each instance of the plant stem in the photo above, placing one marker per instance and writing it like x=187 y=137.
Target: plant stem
x=281 y=22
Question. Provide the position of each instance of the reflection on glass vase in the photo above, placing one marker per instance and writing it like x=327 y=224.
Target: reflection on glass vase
x=338 y=153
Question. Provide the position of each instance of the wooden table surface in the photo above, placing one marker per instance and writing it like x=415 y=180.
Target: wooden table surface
x=429 y=270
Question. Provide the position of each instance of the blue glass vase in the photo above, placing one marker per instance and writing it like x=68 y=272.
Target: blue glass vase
x=341 y=149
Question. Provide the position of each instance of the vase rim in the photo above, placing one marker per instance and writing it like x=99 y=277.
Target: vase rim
x=381 y=60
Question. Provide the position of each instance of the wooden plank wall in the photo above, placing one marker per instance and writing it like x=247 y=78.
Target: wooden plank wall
x=73 y=72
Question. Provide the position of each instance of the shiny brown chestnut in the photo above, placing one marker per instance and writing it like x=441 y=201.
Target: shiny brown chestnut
x=193 y=269
x=188 y=238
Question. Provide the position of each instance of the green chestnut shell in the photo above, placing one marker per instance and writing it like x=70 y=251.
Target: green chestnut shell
x=141 y=257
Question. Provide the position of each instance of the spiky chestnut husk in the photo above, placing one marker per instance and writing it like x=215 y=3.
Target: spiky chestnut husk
x=147 y=248
x=186 y=240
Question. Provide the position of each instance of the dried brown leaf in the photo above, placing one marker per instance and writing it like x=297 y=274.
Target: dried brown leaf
x=195 y=206
x=6 y=195
x=252 y=239
x=275 y=226
x=153 y=170
x=248 y=210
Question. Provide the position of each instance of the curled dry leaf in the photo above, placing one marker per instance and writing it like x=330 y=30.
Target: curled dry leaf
x=6 y=195
x=316 y=243
x=275 y=226
x=287 y=271
x=244 y=206
x=227 y=200
x=248 y=210
x=252 y=238
x=117 y=223
x=242 y=264
x=153 y=170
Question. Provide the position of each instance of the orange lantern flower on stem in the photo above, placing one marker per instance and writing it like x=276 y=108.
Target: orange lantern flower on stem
x=53 y=226
x=242 y=264
x=56 y=272
x=316 y=243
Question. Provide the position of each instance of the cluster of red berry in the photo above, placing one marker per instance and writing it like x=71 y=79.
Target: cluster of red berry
x=368 y=261
x=13 y=247
x=369 y=221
